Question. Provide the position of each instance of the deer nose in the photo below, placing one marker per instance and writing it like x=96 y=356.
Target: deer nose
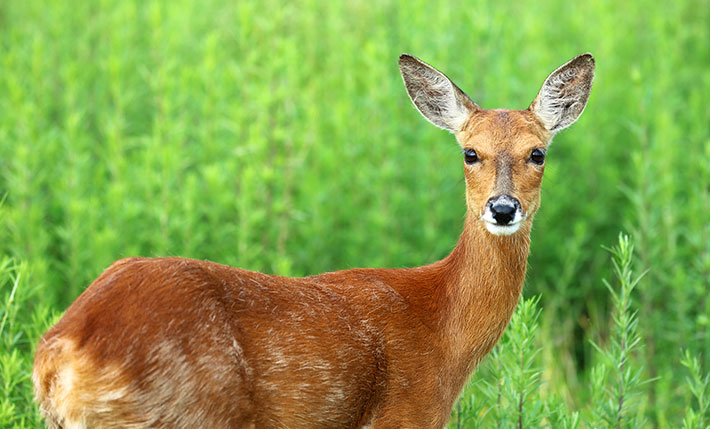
x=503 y=213
x=503 y=209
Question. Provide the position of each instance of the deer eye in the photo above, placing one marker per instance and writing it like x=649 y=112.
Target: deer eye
x=469 y=156
x=538 y=156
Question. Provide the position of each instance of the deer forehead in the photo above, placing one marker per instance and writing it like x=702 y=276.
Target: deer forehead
x=509 y=133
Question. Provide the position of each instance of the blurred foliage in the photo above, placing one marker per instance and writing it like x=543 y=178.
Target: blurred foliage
x=277 y=136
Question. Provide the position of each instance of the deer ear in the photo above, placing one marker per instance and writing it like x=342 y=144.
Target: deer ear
x=437 y=98
x=564 y=94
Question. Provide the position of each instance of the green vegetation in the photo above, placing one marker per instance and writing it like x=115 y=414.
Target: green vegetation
x=277 y=136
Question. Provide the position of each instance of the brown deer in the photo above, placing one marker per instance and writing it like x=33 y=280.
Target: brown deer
x=173 y=342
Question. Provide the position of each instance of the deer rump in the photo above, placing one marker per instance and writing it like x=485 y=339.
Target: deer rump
x=188 y=343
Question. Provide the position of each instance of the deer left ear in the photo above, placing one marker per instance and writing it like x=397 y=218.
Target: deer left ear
x=564 y=94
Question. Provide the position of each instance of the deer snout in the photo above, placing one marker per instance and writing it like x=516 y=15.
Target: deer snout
x=503 y=215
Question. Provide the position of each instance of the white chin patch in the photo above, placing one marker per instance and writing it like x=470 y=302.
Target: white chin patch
x=502 y=229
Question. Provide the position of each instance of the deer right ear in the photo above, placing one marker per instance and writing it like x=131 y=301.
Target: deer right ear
x=564 y=93
x=437 y=98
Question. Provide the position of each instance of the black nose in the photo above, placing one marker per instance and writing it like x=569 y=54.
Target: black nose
x=503 y=213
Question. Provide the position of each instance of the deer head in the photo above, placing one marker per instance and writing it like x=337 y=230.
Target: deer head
x=504 y=150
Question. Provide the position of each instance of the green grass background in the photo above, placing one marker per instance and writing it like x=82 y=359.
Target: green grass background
x=277 y=136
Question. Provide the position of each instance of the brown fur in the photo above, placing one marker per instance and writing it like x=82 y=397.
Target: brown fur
x=173 y=342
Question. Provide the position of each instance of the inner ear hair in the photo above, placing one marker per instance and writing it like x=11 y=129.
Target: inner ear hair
x=436 y=97
x=564 y=94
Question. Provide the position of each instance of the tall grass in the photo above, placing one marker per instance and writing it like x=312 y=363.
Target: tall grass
x=699 y=385
x=19 y=330
x=618 y=380
x=277 y=136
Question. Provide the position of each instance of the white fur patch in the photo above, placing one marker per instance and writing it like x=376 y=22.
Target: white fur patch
x=502 y=230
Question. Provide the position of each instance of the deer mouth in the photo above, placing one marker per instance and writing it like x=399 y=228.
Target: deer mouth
x=498 y=229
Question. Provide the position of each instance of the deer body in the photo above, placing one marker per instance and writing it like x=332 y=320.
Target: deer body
x=173 y=342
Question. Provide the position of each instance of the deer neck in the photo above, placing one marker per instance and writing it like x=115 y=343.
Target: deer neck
x=485 y=275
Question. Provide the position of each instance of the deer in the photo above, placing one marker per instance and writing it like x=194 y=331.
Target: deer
x=184 y=343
